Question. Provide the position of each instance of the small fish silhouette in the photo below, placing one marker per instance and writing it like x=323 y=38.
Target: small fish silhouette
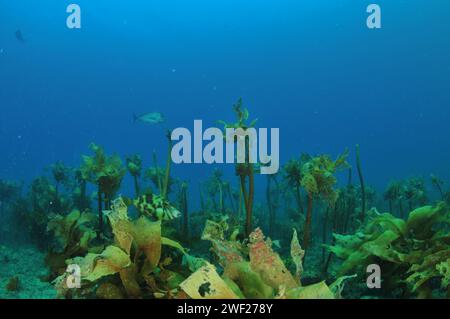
x=19 y=36
x=149 y=118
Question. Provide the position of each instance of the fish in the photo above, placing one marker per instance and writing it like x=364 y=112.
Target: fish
x=149 y=118
x=19 y=36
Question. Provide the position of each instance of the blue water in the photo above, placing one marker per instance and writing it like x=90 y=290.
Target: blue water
x=311 y=68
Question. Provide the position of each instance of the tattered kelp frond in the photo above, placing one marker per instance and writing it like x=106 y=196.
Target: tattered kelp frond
x=297 y=254
x=413 y=252
x=206 y=283
x=268 y=263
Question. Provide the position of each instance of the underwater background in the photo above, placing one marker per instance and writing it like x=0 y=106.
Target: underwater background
x=313 y=69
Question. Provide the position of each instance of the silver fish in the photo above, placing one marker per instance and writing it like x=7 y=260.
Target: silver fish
x=150 y=118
